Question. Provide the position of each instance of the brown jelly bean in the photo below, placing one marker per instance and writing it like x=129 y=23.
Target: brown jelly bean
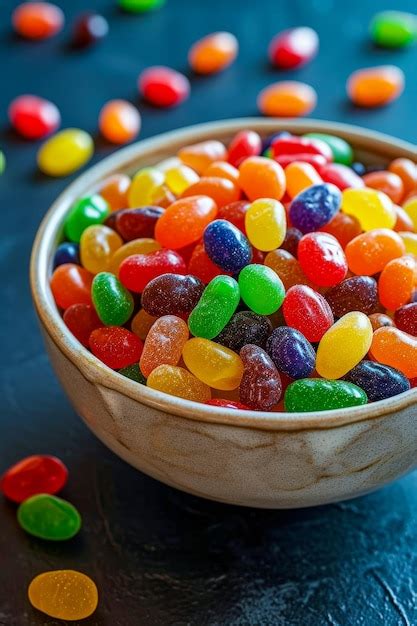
x=359 y=293
x=172 y=294
x=137 y=223
x=260 y=387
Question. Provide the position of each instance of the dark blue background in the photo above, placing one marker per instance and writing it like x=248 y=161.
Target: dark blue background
x=159 y=556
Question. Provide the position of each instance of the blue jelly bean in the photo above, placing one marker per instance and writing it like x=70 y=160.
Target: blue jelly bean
x=291 y=352
x=266 y=144
x=358 y=168
x=227 y=246
x=378 y=381
x=67 y=252
x=315 y=206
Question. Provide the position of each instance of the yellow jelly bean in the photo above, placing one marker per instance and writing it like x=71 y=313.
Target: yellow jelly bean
x=64 y=594
x=98 y=244
x=266 y=224
x=136 y=246
x=212 y=363
x=147 y=185
x=177 y=381
x=168 y=164
x=344 y=345
x=372 y=208
x=410 y=242
x=65 y=152
x=410 y=207
x=178 y=179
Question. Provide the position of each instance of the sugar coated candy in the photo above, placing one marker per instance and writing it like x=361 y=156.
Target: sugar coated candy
x=40 y=473
x=64 y=594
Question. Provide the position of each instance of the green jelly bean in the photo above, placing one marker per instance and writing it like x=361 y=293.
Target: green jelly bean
x=2 y=162
x=319 y=394
x=49 y=517
x=393 y=29
x=85 y=212
x=267 y=153
x=133 y=372
x=216 y=306
x=342 y=151
x=141 y=6
x=261 y=289
x=112 y=301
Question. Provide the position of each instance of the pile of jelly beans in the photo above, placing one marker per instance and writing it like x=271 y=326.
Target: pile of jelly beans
x=272 y=274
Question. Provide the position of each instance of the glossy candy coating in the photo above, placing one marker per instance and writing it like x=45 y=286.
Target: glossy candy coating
x=322 y=259
x=410 y=207
x=294 y=47
x=261 y=289
x=64 y=594
x=227 y=246
x=146 y=187
x=245 y=327
x=112 y=301
x=180 y=178
x=85 y=212
x=379 y=320
x=119 y=121
x=287 y=99
x=137 y=223
x=114 y=191
x=297 y=146
x=291 y=352
x=260 y=177
x=67 y=252
x=136 y=271
x=235 y=213
x=316 y=394
x=404 y=225
x=222 y=190
x=369 y=252
x=314 y=207
x=266 y=224
x=163 y=86
x=136 y=246
x=65 y=152
x=213 y=364
x=33 y=117
x=115 y=346
x=260 y=388
x=375 y=86
x=393 y=29
x=291 y=241
x=140 y=6
x=223 y=169
x=32 y=475
x=141 y=323
x=405 y=318
x=201 y=266
x=71 y=284
x=316 y=160
x=213 y=53
x=89 y=29
x=349 y=339
x=342 y=151
x=373 y=209
x=358 y=293
x=397 y=281
x=342 y=176
x=184 y=221
x=406 y=169
x=164 y=343
x=300 y=176
x=307 y=311
x=82 y=319
x=287 y=267
x=245 y=143
x=343 y=227
x=49 y=517
x=200 y=155
x=397 y=349
x=97 y=246
x=172 y=294
x=387 y=182
x=227 y=404
x=177 y=381
x=215 y=308
x=37 y=20
x=378 y=381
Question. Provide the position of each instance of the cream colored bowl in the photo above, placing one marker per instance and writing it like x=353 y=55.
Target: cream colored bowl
x=281 y=460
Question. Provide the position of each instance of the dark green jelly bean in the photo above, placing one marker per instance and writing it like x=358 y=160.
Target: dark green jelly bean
x=112 y=301
x=261 y=289
x=85 y=212
x=377 y=380
x=319 y=394
x=49 y=517
x=342 y=151
x=245 y=327
x=133 y=372
x=215 y=307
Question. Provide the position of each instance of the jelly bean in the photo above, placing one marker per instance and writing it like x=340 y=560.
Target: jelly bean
x=202 y=266
x=407 y=171
x=344 y=345
x=359 y=293
x=343 y=227
x=403 y=222
x=184 y=221
x=49 y=517
x=64 y=594
x=179 y=178
x=294 y=47
x=397 y=281
x=146 y=187
x=119 y=121
x=358 y=168
x=378 y=381
x=341 y=150
x=260 y=177
x=200 y=155
x=322 y=259
x=2 y=162
x=227 y=404
x=141 y=323
x=112 y=301
x=316 y=160
x=307 y=311
x=406 y=318
x=177 y=381
x=316 y=394
x=213 y=53
x=115 y=346
x=287 y=267
x=140 y=6
x=267 y=142
x=89 y=29
x=32 y=475
x=373 y=209
x=97 y=245
x=369 y=253
x=215 y=307
x=291 y=352
x=388 y=182
x=222 y=169
x=163 y=86
x=393 y=29
x=213 y=364
x=410 y=207
x=260 y=388
x=291 y=241
x=133 y=373
x=85 y=212
x=172 y=294
x=164 y=343
x=82 y=319
x=245 y=327
x=287 y=99
x=245 y=143
x=137 y=246
x=341 y=176
x=221 y=190
x=378 y=320
x=261 y=289
x=34 y=117
x=136 y=271
x=235 y=213
x=315 y=206
x=67 y=252
x=301 y=145
x=37 y=20
x=168 y=164
x=397 y=349
x=114 y=191
x=265 y=223
x=137 y=223
x=65 y=152
x=375 y=86
x=300 y=176
x=71 y=284
x=227 y=246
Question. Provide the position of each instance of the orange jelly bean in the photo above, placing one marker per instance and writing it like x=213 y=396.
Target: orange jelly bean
x=287 y=267
x=200 y=155
x=119 y=121
x=369 y=253
x=221 y=190
x=164 y=343
x=375 y=86
x=260 y=177
x=287 y=99
x=299 y=176
x=213 y=53
x=388 y=182
x=184 y=221
x=37 y=20
x=114 y=190
x=344 y=227
x=395 y=348
x=407 y=171
x=141 y=323
x=403 y=223
x=397 y=282
x=224 y=170
x=71 y=284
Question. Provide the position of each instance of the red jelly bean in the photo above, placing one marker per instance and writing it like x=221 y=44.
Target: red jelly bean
x=406 y=318
x=71 y=284
x=235 y=213
x=163 y=86
x=137 y=223
x=341 y=175
x=82 y=319
x=35 y=474
x=227 y=404
x=301 y=145
x=116 y=346
x=202 y=266
x=316 y=160
x=344 y=227
x=33 y=117
x=137 y=270
x=37 y=20
x=293 y=47
x=89 y=29
x=322 y=259
x=307 y=311
x=243 y=145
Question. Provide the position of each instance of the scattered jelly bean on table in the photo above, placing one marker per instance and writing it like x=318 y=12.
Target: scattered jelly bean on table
x=172 y=294
x=216 y=306
x=64 y=594
x=291 y=352
x=261 y=289
x=375 y=86
x=260 y=387
x=2 y=162
x=49 y=517
x=294 y=47
x=163 y=86
x=213 y=53
x=378 y=381
x=318 y=394
x=307 y=311
x=89 y=29
x=34 y=117
x=115 y=346
x=227 y=246
x=287 y=99
x=140 y=6
x=119 y=121
x=213 y=364
x=245 y=327
x=37 y=20
x=65 y=152
x=33 y=475
x=393 y=29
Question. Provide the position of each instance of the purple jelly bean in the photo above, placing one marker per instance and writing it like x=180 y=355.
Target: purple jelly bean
x=227 y=246
x=377 y=380
x=291 y=352
x=315 y=206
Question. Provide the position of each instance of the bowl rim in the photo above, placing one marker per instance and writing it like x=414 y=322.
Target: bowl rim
x=99 y=374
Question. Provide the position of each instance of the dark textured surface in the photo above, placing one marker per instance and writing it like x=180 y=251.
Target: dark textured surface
x=158 y=556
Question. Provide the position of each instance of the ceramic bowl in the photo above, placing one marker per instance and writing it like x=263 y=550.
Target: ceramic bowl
x=281 y=460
